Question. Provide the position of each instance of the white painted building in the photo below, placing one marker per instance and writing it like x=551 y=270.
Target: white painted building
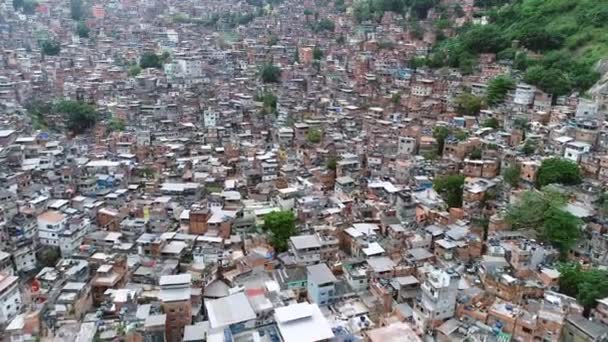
x=10 y=298
x=73 y=235
x=575 y=149
x=211 y=118
x=524 y=95
x=406 y=146
x=438 y=299
x=51 y=225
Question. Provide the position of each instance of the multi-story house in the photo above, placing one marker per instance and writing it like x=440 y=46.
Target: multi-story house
x=321 y=284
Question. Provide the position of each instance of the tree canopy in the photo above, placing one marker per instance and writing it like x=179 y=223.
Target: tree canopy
x=558 y=170
x=511 y=175
x=491 y=123
x=440 y=133
x=79 y=116
x=587 y=286
x=281 y=225
x=567 y=34
x=450 y=188
x=324 y=25
x=269 y=101
x=314 y=136
x=50 y=47
x=542 y=211
x=27 y=6
x=468 y=104
x=82 y=30
x=77 y=10
x=498 y=88
x=317 y=53
x=150 y=60
x=270 y=73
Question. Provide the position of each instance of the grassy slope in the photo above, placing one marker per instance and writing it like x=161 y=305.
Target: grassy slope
x=587 y=41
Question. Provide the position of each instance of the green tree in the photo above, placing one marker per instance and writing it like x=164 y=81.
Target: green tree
x=17 y=4
x=529 y=211
x=269 y=101
x=48 y=256
x=50 y=47
x=512 y=175
x=332 y=163
x=396 y=99
x=273 y=40
x=587 y=286
x=558 y=170
x=450 y=188
x=468 y=104
x=116 y=125
x=324 y=25
x=549 y=80
x=270 y=73
x=281 y=225
x=561 y=229
x=150 y=60
x=529 y=148
x=82 y=30
x=314 y=136
x=165 y=57
x=498 y=88
x=317 y=53
x=476 y=154
x=29 y=6
x=440 y=133
x=485 y=39
x=492 y=123
x=79 y=116
x=76 y=10
x=134 y=70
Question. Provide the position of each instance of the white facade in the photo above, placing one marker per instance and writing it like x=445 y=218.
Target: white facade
x=524 y=95
x=210 y=118
x=423 y=88
x=587 y=109
x=10 y=298
x=438 y=300
x=190 y=67
x=25 y=259
x=71 y=238
x=407 y=145
x=575 y=149
x=50 y=227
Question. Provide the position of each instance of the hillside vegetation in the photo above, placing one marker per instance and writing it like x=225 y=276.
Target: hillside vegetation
x=554 y=43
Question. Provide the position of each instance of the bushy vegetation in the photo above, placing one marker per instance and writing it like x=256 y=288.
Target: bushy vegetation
x=150 y=60
x=50 y=47
x=269 y=101
x=82 y=30
x=498 y=88
x=570 y=35
x=558 y=170
x=374 y=9
x=542 y=211
x=314 y=136
x=281 y=225
x=79 y=115
x=587 y=286
x=270 y=73
x=450 y=188
x=27 y=6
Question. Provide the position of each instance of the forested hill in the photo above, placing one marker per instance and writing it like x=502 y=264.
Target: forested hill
x=554 y=43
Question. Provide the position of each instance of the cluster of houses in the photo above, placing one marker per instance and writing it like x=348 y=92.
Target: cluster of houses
x=153 y=231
